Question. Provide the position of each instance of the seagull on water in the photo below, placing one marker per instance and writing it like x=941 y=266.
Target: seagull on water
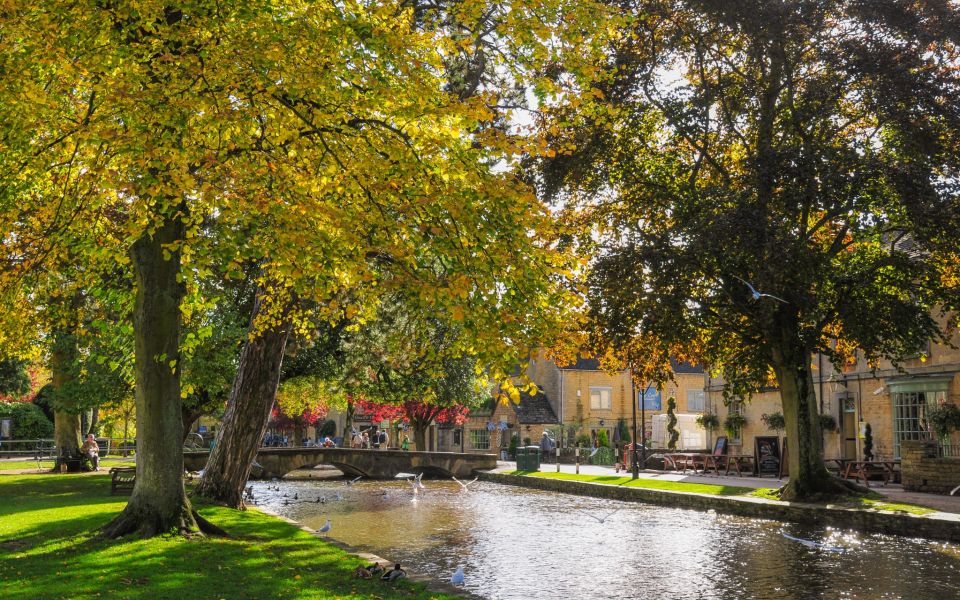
x=464 y=485
x=325 y=529
x=600 y=519
x=755 y=295
x=813 y=544
x=457 y=578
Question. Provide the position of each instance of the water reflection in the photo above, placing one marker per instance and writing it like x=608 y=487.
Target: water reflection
x=519 y=543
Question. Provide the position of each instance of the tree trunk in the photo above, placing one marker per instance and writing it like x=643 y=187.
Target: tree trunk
x=248 y=412
x=420 y=435
x=809 y=478
x=348 y=425
x=66 y=418
x=94 y=421
x=158 y=504
x=297 y=435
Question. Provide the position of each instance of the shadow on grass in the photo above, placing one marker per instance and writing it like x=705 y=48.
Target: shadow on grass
x=55 y=522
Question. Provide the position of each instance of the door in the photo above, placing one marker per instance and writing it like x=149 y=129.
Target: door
x=849 y=427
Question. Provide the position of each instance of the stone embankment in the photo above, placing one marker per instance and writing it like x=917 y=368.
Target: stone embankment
x=936 y=526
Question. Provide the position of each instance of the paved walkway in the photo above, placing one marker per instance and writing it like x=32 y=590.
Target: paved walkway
x=893 y=491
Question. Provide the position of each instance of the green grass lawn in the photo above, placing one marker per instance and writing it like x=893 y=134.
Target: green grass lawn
x=49 y=549
x=873 y=501
x=654 y=484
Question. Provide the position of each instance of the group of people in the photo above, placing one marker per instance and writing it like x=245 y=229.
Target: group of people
x=376 y=438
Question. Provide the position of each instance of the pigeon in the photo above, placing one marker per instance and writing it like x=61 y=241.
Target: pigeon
x=464 y=485
x=325 y=529
x=813 y=544
x=755 y=295
x=600 y=519
x=457 y=578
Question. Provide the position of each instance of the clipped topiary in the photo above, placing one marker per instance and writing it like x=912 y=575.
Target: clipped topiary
x=672 y=433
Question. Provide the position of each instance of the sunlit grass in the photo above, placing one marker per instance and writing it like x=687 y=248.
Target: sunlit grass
x=872 y=501
x=50 y=549
x=654 y=484
x=47 y=464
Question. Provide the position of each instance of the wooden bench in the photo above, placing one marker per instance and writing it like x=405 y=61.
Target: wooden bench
x=122 y=479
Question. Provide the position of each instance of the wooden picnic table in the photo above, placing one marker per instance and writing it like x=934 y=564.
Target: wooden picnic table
x=735 y=462
x=863 y=469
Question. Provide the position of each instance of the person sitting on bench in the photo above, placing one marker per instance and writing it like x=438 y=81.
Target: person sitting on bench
x=91 y=451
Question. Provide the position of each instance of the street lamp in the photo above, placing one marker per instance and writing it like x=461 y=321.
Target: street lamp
x=635 y=470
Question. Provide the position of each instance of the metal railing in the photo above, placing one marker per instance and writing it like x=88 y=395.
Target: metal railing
x=948 y=450
x=46 y=448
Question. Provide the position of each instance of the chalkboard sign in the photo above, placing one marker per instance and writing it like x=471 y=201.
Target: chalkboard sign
x=720 y=447
x=767 y=455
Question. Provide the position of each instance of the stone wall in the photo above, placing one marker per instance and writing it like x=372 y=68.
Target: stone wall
x=937 y=526
x=922 y=471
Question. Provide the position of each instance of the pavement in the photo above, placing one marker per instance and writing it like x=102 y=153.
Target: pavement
x=893 y=491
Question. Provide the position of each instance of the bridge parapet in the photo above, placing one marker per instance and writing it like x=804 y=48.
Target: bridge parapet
x=374 y=464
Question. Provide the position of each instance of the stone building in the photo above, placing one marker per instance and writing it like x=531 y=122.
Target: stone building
x=893 y=401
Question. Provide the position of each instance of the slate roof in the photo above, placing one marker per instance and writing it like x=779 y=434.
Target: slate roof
x=534 y=409
x=592 y=364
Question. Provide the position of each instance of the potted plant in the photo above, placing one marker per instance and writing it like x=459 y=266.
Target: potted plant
x=828 y=423
x=944 y=419
x=708 y=422
x=774 y=421
x=733 y=424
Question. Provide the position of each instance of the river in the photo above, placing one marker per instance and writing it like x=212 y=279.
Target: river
x=516 y=543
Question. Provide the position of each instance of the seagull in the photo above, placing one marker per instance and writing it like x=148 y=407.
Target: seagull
x=457 y=578
x=353 y=481
x=418 y=479
x=600 y=519
x=813 y=544
x=339 y=496
x=413 y=485
x=325 y=529
x=464 y=485
x=955 y=490
x=757 y=295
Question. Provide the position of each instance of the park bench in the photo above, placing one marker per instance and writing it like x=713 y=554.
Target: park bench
x=122 y=479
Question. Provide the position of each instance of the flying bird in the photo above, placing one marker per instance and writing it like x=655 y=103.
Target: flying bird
x=353 y=481
x=600 y=519
x=464 y=485
x=955 y=490
x=457 y=578
x=755 y=295
x=419 y=481
x=325 y=529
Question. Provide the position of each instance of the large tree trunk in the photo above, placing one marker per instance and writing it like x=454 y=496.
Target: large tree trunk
x=66 y=418
x=248 y=411
x=347 y=440
x=298 y=434
x=420 y=435
x=809 y=478
x=94 y=421
x=159 y=502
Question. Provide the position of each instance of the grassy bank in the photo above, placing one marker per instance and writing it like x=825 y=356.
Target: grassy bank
x=49 y=549
x=872 y=501
x=48 y=463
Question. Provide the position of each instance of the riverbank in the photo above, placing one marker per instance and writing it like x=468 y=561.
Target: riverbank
x=50 y=549
x=925 y=523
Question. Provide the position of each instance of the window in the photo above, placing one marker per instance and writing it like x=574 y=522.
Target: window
x=600 y=398
x=912 y=398
x=696 y=401
x=480 y=439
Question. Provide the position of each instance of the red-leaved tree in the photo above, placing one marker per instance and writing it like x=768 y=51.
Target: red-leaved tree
x=419 y=415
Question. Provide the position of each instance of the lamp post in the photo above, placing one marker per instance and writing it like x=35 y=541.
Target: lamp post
x=635 y=467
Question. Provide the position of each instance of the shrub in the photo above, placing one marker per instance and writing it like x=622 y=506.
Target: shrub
x=328 y=428
x=774 y=421
x=674 y=435
x=868 y=442
x=29 y=422
x=583 y=440
x=514 y=439
x=944 y=419
x=603 y=440
x=624 y=431
x=604 y=456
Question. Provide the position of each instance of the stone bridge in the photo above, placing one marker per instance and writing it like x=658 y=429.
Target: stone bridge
x=374 y=464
